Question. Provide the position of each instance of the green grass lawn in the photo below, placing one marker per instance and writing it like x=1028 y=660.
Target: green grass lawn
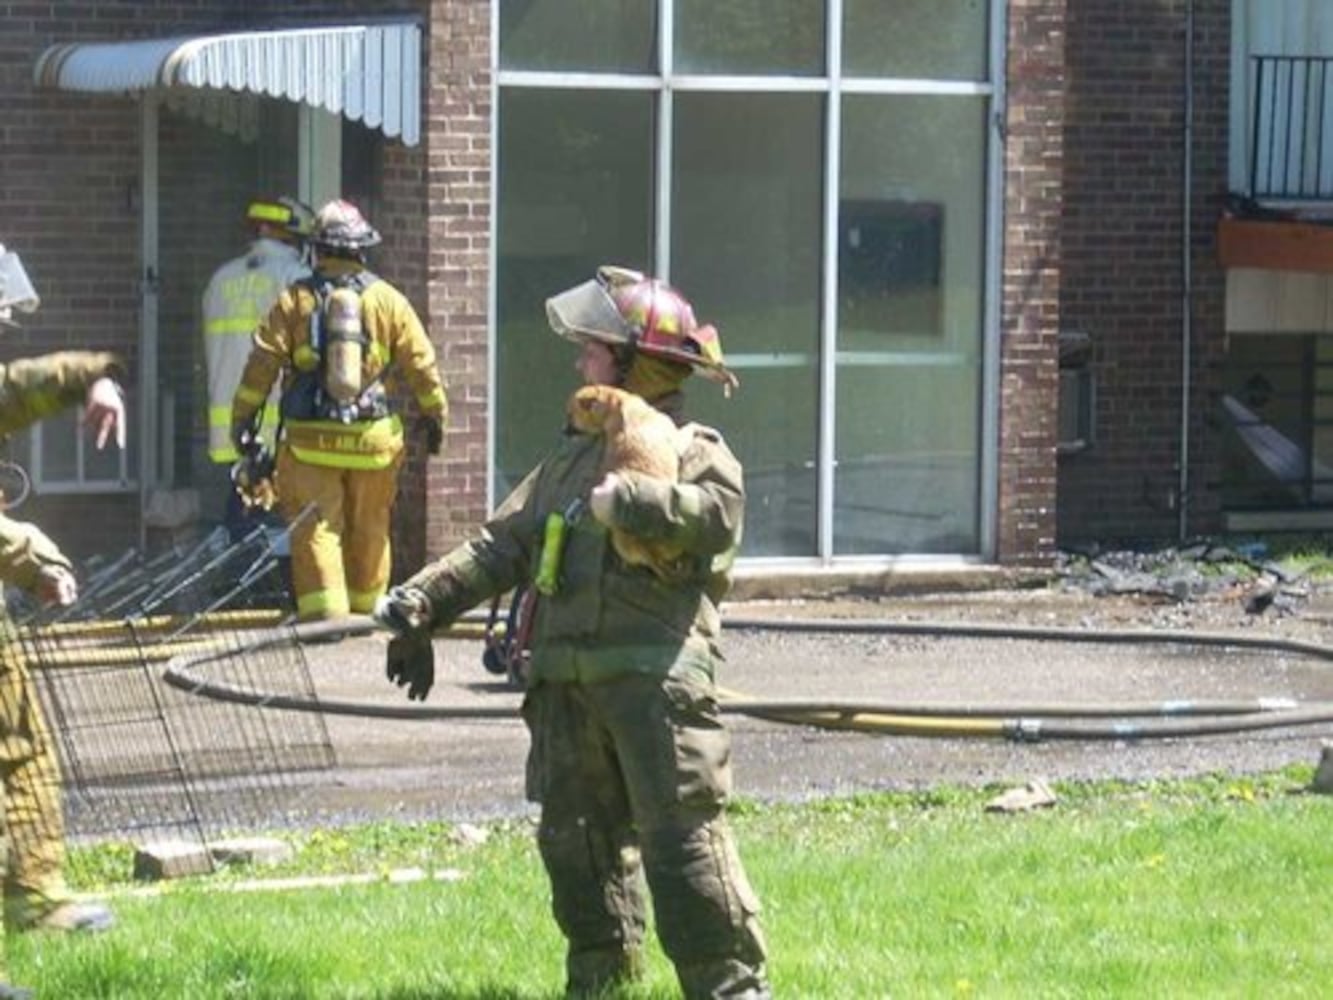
x=1208 y=888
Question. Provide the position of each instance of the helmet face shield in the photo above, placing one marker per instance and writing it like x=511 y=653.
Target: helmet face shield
x=624 y=307
x=16 y=291
x=588 y=311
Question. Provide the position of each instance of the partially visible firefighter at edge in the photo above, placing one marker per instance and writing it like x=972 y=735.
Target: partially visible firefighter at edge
x=35 y=894
x=339 y=340
x=629 y=759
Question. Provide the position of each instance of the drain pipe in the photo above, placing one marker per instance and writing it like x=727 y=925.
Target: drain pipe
x=1187 y=278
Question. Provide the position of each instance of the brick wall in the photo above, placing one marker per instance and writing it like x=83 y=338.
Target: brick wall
x=1123 y=267
x=1032 y=278
x=457 y=167
x=69 y=168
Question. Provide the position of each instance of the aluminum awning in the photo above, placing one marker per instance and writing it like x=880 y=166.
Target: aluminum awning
x=369 y=73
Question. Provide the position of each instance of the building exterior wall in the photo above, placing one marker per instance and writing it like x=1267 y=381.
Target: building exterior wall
x=1031 y=280
x=1123 y=265
x=1093 y=228
x=458 y=193
x=69 y=170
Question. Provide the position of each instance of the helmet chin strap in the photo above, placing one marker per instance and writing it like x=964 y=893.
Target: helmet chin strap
x=624 y=355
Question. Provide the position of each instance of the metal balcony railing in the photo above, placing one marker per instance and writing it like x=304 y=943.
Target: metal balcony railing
x=1291 y=151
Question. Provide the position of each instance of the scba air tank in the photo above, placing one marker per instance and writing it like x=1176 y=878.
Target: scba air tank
x=344 y=345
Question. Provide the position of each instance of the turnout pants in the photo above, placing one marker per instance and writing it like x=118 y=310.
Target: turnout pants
x=33 y=818
x=631 y=775
x=340 y=550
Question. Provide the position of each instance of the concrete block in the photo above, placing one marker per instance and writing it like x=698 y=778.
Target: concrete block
x=171 y=859
x=250 y=851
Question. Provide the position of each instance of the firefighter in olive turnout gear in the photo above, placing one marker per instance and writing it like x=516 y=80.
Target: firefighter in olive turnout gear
x=35 y=895
x=338 y=341
x=629 y=758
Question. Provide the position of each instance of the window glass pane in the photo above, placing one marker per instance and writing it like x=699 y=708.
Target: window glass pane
x=611 y=36
x=916 y=39
x=60 y=457
x=1275 y=452
x=911 y=231
x=746 y=251
x=750 y=36
x=575 y=191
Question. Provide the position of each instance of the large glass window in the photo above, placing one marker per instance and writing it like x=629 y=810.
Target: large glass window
x=832 y=222
x=911 y=231
x=576 y=190
x=750 y=37
x=608 y=36
x=745 y=247
x=915 y=39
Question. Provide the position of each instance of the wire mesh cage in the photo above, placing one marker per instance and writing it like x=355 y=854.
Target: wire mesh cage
x=140 y=759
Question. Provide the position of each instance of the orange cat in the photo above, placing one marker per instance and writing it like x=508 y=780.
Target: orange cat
x=639 y=439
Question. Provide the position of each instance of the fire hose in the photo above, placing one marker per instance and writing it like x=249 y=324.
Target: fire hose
x=1016 y=722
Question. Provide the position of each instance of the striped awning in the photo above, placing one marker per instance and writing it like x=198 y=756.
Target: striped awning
x=369 y=73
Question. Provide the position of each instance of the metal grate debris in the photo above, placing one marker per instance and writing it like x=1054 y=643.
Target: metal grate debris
x=145 y=761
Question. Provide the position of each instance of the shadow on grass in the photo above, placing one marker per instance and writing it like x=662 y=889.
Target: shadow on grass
x=509 y=993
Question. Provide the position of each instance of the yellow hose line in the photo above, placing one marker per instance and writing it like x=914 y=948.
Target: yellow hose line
x=44 y=656
x=164 y=623
x=867 y=722
x=113 y=656
x=897 y=725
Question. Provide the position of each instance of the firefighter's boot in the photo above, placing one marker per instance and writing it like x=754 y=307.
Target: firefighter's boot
x=35 y=911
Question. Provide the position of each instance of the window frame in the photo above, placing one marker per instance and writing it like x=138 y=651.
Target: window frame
x=833 y=86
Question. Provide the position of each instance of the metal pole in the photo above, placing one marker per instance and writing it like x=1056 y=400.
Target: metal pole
x=1187 y=277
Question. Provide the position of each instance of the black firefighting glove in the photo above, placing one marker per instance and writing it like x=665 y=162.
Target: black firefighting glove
x=410 y=663
x=410 y=659
x=433 y=429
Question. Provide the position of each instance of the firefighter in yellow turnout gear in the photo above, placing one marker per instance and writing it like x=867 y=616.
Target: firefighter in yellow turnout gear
x=35 y=895
x=338 y=341
x=238 y=297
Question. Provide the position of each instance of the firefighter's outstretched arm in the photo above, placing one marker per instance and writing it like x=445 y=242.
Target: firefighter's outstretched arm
x=437 y=594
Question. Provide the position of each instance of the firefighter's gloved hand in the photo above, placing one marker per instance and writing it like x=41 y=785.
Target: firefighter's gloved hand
x=403 y=611
x=242 y=434
x=433 y=429
x=410 y=663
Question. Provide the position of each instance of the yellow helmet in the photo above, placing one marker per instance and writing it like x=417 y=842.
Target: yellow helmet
x=291 y=217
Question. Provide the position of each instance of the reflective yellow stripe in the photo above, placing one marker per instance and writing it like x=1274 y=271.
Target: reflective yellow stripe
x=229 y=325
x=363 y=601
x=340 y=460
x=264 y=212
x=372 y=444
x=320 y=603
x=247 y=395
x=220 y=416
x=223 y=456
x=432 y=400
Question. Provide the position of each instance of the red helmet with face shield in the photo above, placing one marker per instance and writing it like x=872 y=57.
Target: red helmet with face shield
x=625 y=308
